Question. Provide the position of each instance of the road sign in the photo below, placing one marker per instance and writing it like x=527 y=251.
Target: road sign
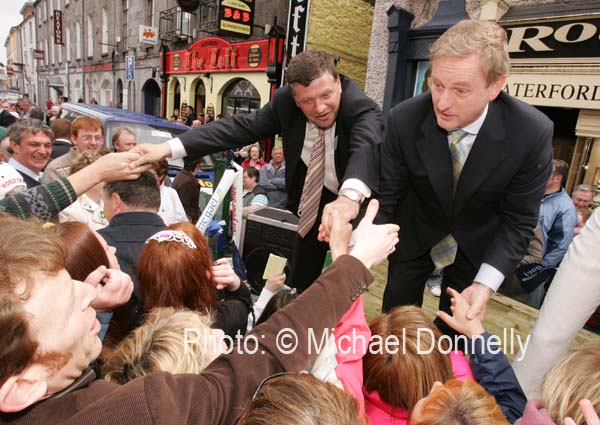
x=130 y=68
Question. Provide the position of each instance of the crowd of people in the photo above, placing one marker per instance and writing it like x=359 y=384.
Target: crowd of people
x=113 y=309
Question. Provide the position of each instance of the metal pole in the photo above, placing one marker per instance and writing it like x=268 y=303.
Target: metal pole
x=84 y=42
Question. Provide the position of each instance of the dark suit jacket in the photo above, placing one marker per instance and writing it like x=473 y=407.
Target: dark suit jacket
x=359 y=129
x=59 y=148
x=495 y=208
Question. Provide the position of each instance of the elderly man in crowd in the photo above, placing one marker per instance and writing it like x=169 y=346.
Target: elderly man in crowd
x=124 y=140
x=582 y=196
x=31 y=146
x=87 y=134
x=272 y=179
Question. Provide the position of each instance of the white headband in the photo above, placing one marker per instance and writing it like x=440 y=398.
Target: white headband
x=172 y=236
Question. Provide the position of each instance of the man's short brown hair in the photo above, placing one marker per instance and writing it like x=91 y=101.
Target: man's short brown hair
x=484 y=38
x=61 y=128
x=309 y=65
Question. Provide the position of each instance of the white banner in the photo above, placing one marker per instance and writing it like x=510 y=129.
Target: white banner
x=230 y=178
x=238 y=204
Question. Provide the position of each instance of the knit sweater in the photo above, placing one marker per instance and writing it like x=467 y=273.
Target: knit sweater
x=44 y=201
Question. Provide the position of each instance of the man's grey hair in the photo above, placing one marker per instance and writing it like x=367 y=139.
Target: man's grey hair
x=583 y=188
x=18 y=129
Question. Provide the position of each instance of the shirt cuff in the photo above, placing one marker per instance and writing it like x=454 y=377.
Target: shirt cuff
x=177 y=149
x=357 y=185
x=489 y=276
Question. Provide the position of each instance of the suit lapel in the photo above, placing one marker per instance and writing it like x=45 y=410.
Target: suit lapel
x=435 y=155
x=487 y=152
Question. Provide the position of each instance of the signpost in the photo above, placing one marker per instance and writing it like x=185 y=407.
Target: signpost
x=129 y=68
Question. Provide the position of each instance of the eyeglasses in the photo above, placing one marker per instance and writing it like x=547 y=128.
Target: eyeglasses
x=89 y=138
x=267 y=379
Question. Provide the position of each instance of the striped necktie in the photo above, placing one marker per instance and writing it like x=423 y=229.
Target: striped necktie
x=313 y=186
x=444 y=252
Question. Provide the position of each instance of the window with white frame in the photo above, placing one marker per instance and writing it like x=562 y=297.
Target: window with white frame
x=52 y=57
x=90 y=37
x=125 y=5
x=104 y=32
x=45 y=11
x=77 y=41
x=150 y=13
x=46 y=53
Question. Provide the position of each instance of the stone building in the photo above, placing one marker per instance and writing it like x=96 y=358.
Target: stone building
x=14 y=59
x=28 y=44
x=554 y=48
x=100 y=38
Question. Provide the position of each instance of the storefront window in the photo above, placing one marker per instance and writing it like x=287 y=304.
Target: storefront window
x=241 y=97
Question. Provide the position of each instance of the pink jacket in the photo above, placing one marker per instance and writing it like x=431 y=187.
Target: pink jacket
x=381 y=413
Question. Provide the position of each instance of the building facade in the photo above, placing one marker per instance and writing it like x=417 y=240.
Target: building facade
x=14 y=59
x=28 y=44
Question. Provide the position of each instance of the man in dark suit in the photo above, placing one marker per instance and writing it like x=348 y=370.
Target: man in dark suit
x=463 y=170
x=317 y=107
x=61 y=129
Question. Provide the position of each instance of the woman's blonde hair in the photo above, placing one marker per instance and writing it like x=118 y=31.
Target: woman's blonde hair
x=467 y=37
x=417 y=371
x=296 y=398
x=461 y=403
x=160 y=344
x=575 y=377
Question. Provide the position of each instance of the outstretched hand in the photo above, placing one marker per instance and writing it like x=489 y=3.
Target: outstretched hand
x=224 y=276
x=459 y=320
x=339 y=241
x=374 y=242
x=478 y=296
x=150 y=153
x=346 y=209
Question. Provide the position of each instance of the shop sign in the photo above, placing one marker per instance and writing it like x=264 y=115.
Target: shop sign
x=297 y=27
x=564 y=39
x=254 y=55
x=559 y=90
x=214 y=54
x=58 y=28
x=236 y=17
x=38 y=54
x=189 y=6
x=148 y=35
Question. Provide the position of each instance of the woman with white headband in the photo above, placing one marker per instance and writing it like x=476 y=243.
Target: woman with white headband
x=176 y=270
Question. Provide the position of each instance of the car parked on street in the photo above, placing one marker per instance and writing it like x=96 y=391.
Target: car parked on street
x=147 y=129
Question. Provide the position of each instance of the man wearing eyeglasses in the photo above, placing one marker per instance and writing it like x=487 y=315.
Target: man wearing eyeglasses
x=87 y=134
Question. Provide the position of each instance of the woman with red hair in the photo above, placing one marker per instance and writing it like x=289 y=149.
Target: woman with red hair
x=176 y=270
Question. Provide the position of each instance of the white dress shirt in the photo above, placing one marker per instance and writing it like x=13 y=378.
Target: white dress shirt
x=487 y=274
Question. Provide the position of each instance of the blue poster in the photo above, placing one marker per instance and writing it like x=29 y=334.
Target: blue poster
x=129 y=68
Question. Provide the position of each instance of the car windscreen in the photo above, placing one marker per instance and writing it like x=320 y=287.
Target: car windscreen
x=152 y=134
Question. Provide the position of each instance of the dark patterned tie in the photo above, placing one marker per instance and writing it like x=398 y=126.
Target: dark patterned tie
x=313 y=186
